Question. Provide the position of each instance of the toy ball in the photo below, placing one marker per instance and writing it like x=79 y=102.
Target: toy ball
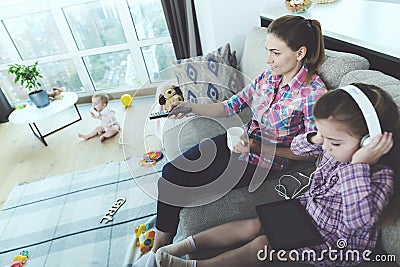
x=126 y=100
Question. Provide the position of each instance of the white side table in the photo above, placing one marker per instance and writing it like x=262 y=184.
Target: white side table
x=31 y=114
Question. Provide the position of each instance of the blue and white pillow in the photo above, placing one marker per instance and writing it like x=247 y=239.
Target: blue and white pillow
x=212 y=77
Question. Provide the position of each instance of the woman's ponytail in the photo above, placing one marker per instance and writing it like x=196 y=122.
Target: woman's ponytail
x=296 y=32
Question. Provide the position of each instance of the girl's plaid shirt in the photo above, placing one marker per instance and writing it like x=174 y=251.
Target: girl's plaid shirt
x=345 y=201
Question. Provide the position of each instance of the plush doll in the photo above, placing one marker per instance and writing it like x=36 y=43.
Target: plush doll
x=170 y=95
x=55 y=93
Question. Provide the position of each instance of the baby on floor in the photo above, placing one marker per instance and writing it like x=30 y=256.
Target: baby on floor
x=100 y=110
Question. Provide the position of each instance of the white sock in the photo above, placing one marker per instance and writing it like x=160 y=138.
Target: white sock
x=181 y=248
x=192 y=244
x=167 y=260
x=147 y=260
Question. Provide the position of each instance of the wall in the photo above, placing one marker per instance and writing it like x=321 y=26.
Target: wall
x=223 y=21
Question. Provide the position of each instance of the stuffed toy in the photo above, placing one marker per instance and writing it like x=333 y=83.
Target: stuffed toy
x=55 y=93
x=170 y=95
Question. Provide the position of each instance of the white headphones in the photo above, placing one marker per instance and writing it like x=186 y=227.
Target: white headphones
x=281 y=188
x=368 y=111
x=374 y=129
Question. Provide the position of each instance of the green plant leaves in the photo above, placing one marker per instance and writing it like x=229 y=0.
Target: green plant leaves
x=26 y=75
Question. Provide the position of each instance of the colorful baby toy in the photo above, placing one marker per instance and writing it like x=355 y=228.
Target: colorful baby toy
x=150 y=158
x=144 y=237
x=147 y=241
x=20 y=259
x=141 y=228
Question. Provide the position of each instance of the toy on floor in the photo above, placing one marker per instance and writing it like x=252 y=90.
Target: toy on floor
x=141 y=228
x=126 y=100
x=170 y=95
x=147 y=162
x=153 y=155
x=20 y=259
x=144 y=237
x=150 y=158
x=147 y=240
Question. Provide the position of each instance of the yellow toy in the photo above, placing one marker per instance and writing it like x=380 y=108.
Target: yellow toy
x=146 y=240
x=140 y=229
x=20 y=260
x=144 y=237
x=126 y=100
x=170 y=95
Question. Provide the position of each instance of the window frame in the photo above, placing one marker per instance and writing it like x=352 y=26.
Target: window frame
x=16 y=8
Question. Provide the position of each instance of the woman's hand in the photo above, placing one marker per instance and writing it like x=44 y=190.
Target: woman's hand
x=178 y=104
x=247 y=145
x=243 y=146
x=378 y=147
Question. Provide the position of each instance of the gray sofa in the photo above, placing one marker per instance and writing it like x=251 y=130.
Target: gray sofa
x=338 y=69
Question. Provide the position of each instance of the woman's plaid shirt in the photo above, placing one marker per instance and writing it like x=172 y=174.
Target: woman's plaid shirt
x=279 y=113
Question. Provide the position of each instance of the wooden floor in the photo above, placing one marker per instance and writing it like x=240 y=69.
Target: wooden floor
x=24 y=158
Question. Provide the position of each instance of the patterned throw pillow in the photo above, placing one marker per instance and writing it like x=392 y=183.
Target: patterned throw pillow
x=212 y=77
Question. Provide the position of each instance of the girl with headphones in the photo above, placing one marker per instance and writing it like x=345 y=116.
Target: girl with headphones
x=358 y=139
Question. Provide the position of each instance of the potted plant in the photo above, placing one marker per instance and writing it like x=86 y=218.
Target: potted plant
x=28 y=78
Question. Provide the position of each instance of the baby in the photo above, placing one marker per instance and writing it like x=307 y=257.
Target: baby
x=109 y=125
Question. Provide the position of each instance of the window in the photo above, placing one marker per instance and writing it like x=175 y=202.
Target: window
x=35 y=35
x=113 y=69
x=149 y=19
x=85 y=45
x=95 y=24
x=4 y=56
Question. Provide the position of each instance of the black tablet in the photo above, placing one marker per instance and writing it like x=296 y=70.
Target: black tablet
x=288 y=225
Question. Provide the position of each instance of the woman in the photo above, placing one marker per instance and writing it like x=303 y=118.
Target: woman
x=281 y=100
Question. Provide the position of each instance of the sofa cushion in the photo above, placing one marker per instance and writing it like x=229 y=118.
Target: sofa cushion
x=254 y=56
x=335 y=66
x=377 y=78
x=390 y=233
x=213 y=76
x=338 y=64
